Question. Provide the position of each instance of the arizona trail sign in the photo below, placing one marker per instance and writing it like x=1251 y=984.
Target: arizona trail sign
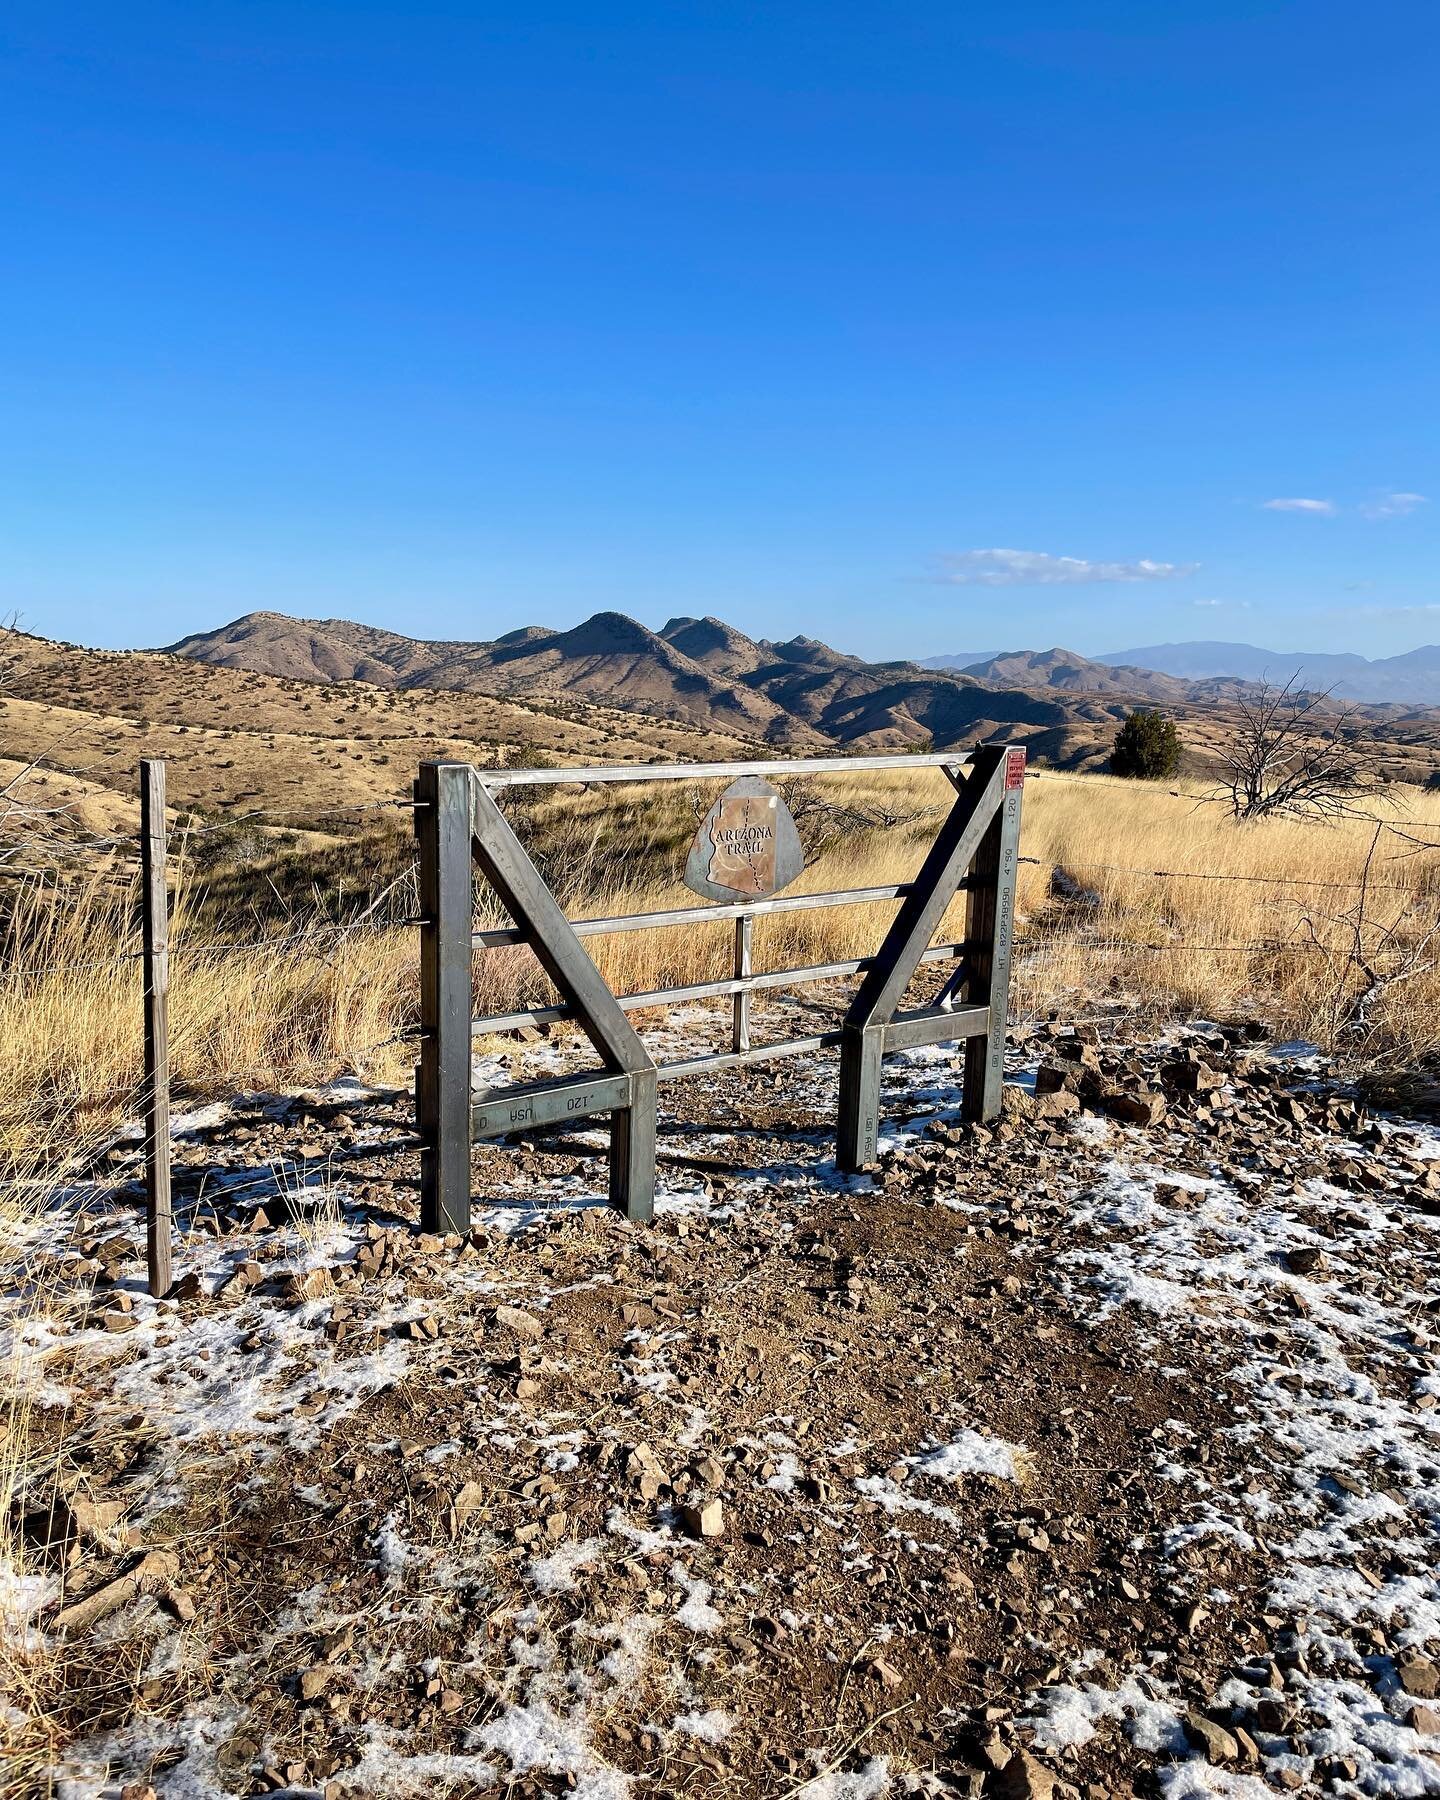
x=747 y=847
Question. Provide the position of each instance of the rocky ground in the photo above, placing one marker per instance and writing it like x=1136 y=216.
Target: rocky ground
x=1094 y=1453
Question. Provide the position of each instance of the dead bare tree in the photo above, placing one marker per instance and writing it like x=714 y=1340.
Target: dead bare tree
x=822 y=821
x=1367 y=959
x=1294 y=754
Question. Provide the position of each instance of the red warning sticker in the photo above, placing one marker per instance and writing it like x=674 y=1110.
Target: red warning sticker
x=1014 y=768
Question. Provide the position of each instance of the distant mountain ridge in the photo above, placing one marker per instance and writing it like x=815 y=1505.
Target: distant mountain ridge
x=800 y=696
x=1412 y=678
x=801 y=693
x=1066 y=671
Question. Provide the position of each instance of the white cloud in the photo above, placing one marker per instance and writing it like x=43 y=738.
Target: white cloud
x=1324 y=507
x=1023 y=568
x=1392 y=506
x=1239 y=605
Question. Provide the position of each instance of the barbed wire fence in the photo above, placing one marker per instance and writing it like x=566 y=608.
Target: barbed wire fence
x=1348 y=955
x=316 y=933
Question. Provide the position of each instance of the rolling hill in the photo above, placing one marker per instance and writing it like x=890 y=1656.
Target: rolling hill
x=338 y=714
x=798 y=695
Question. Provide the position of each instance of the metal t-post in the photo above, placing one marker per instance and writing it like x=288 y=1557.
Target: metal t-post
x=155 y=928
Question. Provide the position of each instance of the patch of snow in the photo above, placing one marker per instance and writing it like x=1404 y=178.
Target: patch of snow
x=1063 y=1716
x=392 y=1552
x=555 y=1573
x=21 y=1597
x=536 y=1737
x=868 y=1783
x=968 y=1454
x=695 y=1613
x=710 y=1727
x=95 y=1768
x=895 y=1499
x=385 y=1767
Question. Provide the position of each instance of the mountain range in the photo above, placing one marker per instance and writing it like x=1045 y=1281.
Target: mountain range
x=1412 y=678
x=800 y=693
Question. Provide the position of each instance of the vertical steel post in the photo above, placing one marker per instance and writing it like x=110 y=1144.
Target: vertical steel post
x=632 y=1149
x=857 y=1135
x=990 y=928
x=740 y=1021
x=969 y=823
x=155 y=939
x=442 y=829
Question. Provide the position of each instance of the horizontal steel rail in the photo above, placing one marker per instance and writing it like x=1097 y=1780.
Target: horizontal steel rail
x=805 y=765
x=932 y=1025
x=493 y=1023
x=569 y=1097
x=494 y=937
x=733 y=1059
x=936 y=1025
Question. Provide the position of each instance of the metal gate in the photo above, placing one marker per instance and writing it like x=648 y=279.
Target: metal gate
x=459 y=826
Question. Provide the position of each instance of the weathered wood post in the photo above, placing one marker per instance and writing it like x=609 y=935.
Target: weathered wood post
x=990 y=929
x=442 y=1088
x=155 y=955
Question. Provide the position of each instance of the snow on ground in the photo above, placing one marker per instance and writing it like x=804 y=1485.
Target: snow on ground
x=1341 y=1442
x=1332 y=1394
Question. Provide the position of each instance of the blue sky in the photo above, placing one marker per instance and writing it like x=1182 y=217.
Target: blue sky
x=914 y=327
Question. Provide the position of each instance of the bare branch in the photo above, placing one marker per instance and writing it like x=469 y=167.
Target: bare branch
x=1293 y=754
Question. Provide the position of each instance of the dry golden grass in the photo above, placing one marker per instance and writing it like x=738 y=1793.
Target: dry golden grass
x=1291 y=888
x=299 y=1003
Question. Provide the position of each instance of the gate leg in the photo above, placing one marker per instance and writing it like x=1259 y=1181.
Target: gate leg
x=861 y=1055
x=990 y=926
x=632 y=1150
x=442 y=824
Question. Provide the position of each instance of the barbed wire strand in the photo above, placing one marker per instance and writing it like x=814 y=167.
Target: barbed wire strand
x=1391 y=887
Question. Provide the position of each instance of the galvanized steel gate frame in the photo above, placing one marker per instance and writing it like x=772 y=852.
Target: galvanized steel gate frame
x=459 y=826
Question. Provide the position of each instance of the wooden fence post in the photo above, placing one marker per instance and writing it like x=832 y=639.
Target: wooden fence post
x=990 y=927
x=442 y=828
x=155 y=939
